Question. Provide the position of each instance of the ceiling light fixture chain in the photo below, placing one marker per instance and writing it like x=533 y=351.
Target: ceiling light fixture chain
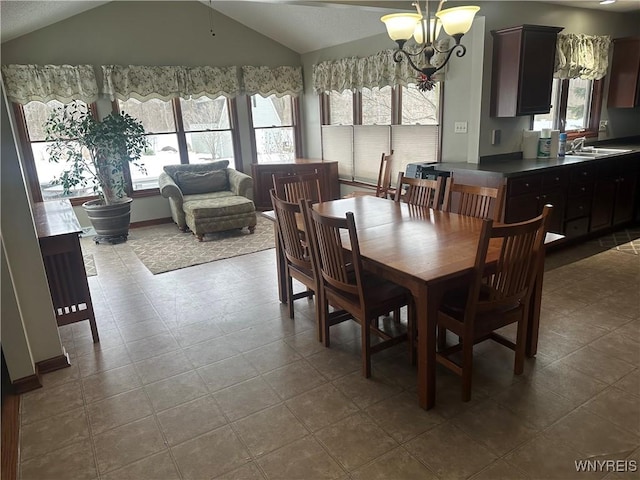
x=213 y=34
x=425 y=30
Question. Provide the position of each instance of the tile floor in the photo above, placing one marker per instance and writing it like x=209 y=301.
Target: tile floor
x=200 y=375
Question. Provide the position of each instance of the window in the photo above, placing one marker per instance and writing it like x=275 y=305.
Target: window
x=180 y=131
x=376 y=106
x=275 y=128
x=575 y=107
x=420 y=108
x=40 y=172
x=340 y=108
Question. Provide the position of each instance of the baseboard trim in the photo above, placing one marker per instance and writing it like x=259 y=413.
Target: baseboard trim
x=26 y=384
x=53 y=364
x=150 y=223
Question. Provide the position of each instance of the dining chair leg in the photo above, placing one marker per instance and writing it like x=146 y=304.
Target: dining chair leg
x=521 y=344
x=467 y=369
x=442 y=338
x=324 y=318
x=412 y=332
x=366 y=347
x=290 y=294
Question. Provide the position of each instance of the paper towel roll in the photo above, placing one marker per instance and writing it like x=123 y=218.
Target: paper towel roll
x=555 y=142
x=530 y=143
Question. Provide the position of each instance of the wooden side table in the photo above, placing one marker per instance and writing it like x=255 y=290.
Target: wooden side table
x=58 y=232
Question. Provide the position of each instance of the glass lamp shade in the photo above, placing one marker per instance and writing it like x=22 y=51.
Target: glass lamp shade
x=400 y=26
x=417 y=33
x=457 y=20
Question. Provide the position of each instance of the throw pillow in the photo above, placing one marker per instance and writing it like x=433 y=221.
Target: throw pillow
x=172 y=170
x=192 y=183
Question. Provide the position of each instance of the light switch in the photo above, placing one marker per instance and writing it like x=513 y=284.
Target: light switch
x=495 y=137
x=460 y=127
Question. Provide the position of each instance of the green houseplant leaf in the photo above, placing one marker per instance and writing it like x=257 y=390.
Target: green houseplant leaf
x=93 y=152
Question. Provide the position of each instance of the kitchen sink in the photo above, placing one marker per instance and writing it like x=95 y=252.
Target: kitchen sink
x=598 y=152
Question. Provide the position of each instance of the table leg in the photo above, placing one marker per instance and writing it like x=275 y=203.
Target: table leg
x=280 y=267
x=426 y=314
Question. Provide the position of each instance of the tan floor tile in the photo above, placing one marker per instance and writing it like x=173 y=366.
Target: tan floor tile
x=620 y=408
x=569 y=383
x=173 y=391
x=246 y=398
x=494 y=426
x=620 y=346
x=162 y=366
x=190 y=419
x=548 y=458
x=355 y=441
x=46 y=402
x=210 y=455
x=248 y=471
x=108 y=339
x=321 y=407
x=209 y=352
x=334 y=363
x=593 y=436
x=152 y=346
x=128 y=443
x=155 y=467
x=449 y=452
x=109 y=383
x=402 y=418
x=310 y=462
x=196 y=332
x=254 y=337
x=597 y=364
x=293 y=379
x=269 y=429
x=630 y=383
x=227 y=372
x=398 y=464
x=272 y=356
x=59 y=377
x=102 y=360
x=139 y=330
x=43 y=436
x=305 y=343
x=74 y=461
x=366 y=391
x=500 y=470
x=118 y=410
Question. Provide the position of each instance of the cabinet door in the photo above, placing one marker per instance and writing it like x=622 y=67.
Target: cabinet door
x=536 y=74
x=624 y=83
x=558 y=200
x=604 y=194
x=624 y=198
x=521 y=208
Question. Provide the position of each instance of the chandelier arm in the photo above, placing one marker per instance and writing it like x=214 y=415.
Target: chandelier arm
x=397 y=57
x=461 y=50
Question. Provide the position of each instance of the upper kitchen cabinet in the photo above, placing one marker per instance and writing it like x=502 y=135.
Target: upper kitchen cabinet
x=522 y=75
x=624 y=84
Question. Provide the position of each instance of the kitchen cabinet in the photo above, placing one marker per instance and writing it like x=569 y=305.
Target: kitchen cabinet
x=614 y=194
x=262 y=174
x=624 y=82
x=522 y=73
x=579 y=199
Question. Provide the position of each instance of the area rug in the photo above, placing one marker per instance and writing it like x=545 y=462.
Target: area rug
x=89 y=265
x=162 y=248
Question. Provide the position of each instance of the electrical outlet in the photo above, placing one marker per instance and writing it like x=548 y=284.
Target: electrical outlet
x=495 y=137
x=603 y=125
x=460 y=127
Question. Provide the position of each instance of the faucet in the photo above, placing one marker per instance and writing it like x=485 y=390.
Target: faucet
x=577 y=144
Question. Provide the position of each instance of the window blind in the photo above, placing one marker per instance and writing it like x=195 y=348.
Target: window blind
x=413 y=144
x=337 y=145
x=369 y=143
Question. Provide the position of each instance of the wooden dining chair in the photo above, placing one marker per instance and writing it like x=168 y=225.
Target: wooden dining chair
x=294 y=188
x=383 y=185
x=495 y=297
x=473 y=200
x=355 y=293
x=296 y=254
x=420 y=191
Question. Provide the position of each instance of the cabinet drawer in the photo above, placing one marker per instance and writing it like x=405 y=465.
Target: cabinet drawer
x=583 y=173
x=552 y=180
x=579 y=206
x=579 y=189
x=524 y=185
x=577 y=227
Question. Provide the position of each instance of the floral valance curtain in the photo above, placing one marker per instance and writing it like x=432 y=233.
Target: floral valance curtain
x=167 y=82
x=43 y=83
x=582 y=56
x=379 y=70
x=277 y=81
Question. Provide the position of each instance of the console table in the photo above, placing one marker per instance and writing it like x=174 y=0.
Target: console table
x=262 y=174
x=58 y=233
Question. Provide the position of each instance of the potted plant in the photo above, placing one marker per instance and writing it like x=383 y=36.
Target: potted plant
x=94 y=153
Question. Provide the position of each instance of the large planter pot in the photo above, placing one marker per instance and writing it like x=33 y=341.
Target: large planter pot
x=111 y=222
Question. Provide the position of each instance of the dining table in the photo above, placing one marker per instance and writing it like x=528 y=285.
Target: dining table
x=428 y=252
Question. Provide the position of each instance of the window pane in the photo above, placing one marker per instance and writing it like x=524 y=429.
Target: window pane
x=420 y=108
x=578 y=103
x=36 y=114
x=156 y=115
x=275 y=145
x=162 y=150
x=341 y=108
x=210 y=146
x=271 y=111
x=376 y=106
x=205 y=114
x=48 y=171
x=548 y=120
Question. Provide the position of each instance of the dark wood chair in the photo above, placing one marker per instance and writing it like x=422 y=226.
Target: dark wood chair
x=420 y=191
x=296 y=254
x=473 y=201
x=344 y=284
x=494 y=298
x=383 y=185
x=294 y=188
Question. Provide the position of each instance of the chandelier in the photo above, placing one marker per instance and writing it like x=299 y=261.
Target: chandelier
x=401 y=27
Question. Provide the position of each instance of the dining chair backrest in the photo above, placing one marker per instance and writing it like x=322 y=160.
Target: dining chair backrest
x=420 y=191
x=383 y=187
x=510 y=283
x=473 y=200
x=288 y=221
x=294 y=188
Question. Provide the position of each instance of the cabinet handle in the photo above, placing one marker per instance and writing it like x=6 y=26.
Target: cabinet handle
x=526 y=185
x=557 y=179
x=583 y=189
x=580 y=207
x=584 y=174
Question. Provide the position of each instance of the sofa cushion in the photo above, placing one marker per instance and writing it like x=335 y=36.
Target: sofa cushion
x=218 y=207
x=171 y=170
x=202 y=182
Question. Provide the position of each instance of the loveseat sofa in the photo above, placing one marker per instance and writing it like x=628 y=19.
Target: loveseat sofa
x=208 y=197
